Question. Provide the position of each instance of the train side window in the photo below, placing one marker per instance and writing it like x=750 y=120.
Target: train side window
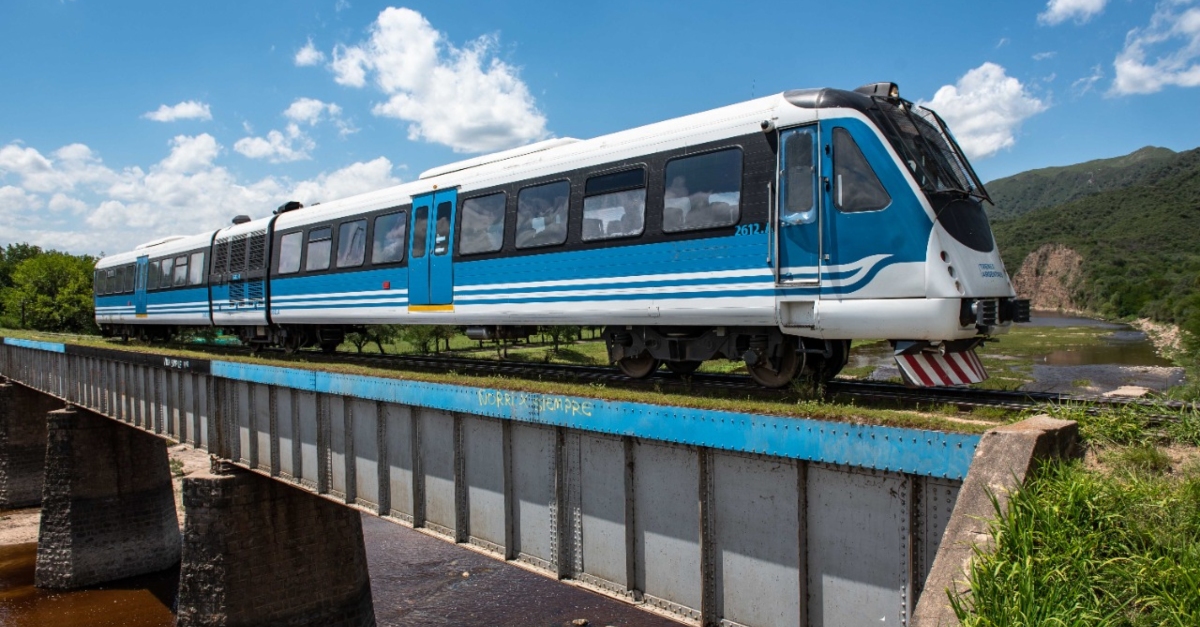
x=196 y=269
x=542 y=215
x=110 y=283
x=703 y=191
x=98 y=283
x=482 y=228
x=798 y=190
x=856 y=187
x=168 y=273
x=289 y=252
x=130 y=277
x=320 y=243
x=119 y=284
x=614 y=205
x=441 y=235
x=152 y=274
x=387 y=245
x=352 y=244
x=181 y=271
x=420 y=231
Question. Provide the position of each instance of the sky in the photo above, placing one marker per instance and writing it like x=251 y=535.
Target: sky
x=124 y=121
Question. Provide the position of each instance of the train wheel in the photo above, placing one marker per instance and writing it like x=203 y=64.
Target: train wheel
x=683 y=368
x=639 y=367
x=787 y=366
x=293 y=343
x=841 y=356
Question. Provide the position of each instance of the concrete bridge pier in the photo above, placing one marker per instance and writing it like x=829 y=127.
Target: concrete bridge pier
x=22 y=445
x=108 y=510
x=259 y=552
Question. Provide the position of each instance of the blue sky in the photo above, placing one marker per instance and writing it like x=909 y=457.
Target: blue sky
x=124 y=121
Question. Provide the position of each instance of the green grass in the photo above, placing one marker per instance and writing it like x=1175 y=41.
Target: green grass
x=1080 y=547
x=1131 y=424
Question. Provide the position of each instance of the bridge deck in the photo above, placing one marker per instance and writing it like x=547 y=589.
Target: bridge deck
x=707 y=515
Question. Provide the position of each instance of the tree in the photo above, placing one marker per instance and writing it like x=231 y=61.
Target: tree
x=52 y=292
x=10 y=258
x=561 y=333
x=418 y=336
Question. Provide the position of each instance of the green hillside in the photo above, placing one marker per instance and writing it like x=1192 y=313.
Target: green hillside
x=1035 y=189
x=1140 y=243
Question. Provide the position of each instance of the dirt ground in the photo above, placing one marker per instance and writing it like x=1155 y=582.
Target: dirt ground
x=21 y=525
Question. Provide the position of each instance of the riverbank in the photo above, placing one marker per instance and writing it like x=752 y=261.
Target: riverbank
x=416 y=579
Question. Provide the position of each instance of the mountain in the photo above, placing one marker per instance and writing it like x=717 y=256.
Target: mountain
x=1132 y=250
x=1047 y=187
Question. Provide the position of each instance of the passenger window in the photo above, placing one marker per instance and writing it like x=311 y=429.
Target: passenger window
x=196 y=269
x=482 y=224
x=152 y=276
x=388 y=243
x=289 y=252
x=352 y=244
x=420 y=231
x=320 y=241
x=614 y=205
x=110 y=282
x=130 y=277
x=441 y=241
x=181 y=270
x=98 y=283
x=703 y=191
x=542 y=215
x=798 y=199
x=168 y=273
x=856 y=187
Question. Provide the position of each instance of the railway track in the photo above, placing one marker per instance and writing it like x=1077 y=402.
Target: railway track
x=732 y=384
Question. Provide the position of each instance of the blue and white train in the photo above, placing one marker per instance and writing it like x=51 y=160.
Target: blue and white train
x=773 y=231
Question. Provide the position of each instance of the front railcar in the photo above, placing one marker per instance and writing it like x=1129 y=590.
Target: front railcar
x=963 y=264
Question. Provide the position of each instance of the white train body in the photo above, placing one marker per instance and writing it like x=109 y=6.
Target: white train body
x=823 y=214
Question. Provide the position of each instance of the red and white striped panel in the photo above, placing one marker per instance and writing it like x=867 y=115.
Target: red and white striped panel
x=928 y=369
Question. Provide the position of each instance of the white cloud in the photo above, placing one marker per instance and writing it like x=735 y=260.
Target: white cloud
x=1004 y=41
x=72 y=164
x=465 y=98
x=985 y=109
x=114 y=210
x=14 y=200
x=277 y=147
x=1173 y=39
x=350 y=180
x=189 y=154
x=1059 y=11
x=310 y=110
x=62 y=203
x=1085 y=84
x=1042 y=56
x=309 y=55
x=187 y=110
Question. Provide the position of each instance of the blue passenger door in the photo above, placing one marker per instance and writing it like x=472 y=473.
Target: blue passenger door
x=139 y=286
x=431 y=253
x=800 y=220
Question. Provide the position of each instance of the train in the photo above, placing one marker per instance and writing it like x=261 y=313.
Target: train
x=774 y=231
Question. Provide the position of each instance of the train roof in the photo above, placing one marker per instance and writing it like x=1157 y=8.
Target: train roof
x=561 y=154
x=162 y=247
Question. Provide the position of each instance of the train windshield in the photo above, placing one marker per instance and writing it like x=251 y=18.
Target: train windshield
x=926 y=146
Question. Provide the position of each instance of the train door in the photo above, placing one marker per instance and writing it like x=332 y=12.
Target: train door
x=139 y=286
x=430 y=266
x=800 y=217
x=860 y=236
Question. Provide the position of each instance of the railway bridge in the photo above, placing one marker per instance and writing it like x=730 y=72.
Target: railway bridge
x=710 y=517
